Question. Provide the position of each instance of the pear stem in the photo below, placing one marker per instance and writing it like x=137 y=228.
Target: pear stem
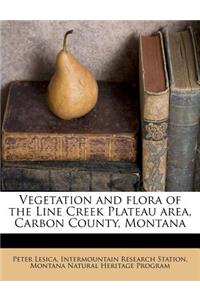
x=65 y=39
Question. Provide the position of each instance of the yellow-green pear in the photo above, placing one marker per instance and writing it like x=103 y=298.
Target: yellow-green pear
x=72 y=91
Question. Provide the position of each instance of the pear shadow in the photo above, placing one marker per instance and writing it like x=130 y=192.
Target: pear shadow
x=43 y=61
x=43 y=67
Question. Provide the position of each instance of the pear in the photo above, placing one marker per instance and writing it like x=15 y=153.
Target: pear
x=72 y=91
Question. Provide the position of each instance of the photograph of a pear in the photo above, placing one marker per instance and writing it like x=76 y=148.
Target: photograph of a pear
x=73 y=90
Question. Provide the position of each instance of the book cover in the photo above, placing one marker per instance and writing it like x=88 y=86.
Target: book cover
x=86 y=220
x=197 y=165
x=32 y=133
x=154 y=104
x=70 y=176
x=184 y=110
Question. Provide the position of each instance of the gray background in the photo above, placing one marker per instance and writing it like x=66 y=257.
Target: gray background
x=108 y=48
